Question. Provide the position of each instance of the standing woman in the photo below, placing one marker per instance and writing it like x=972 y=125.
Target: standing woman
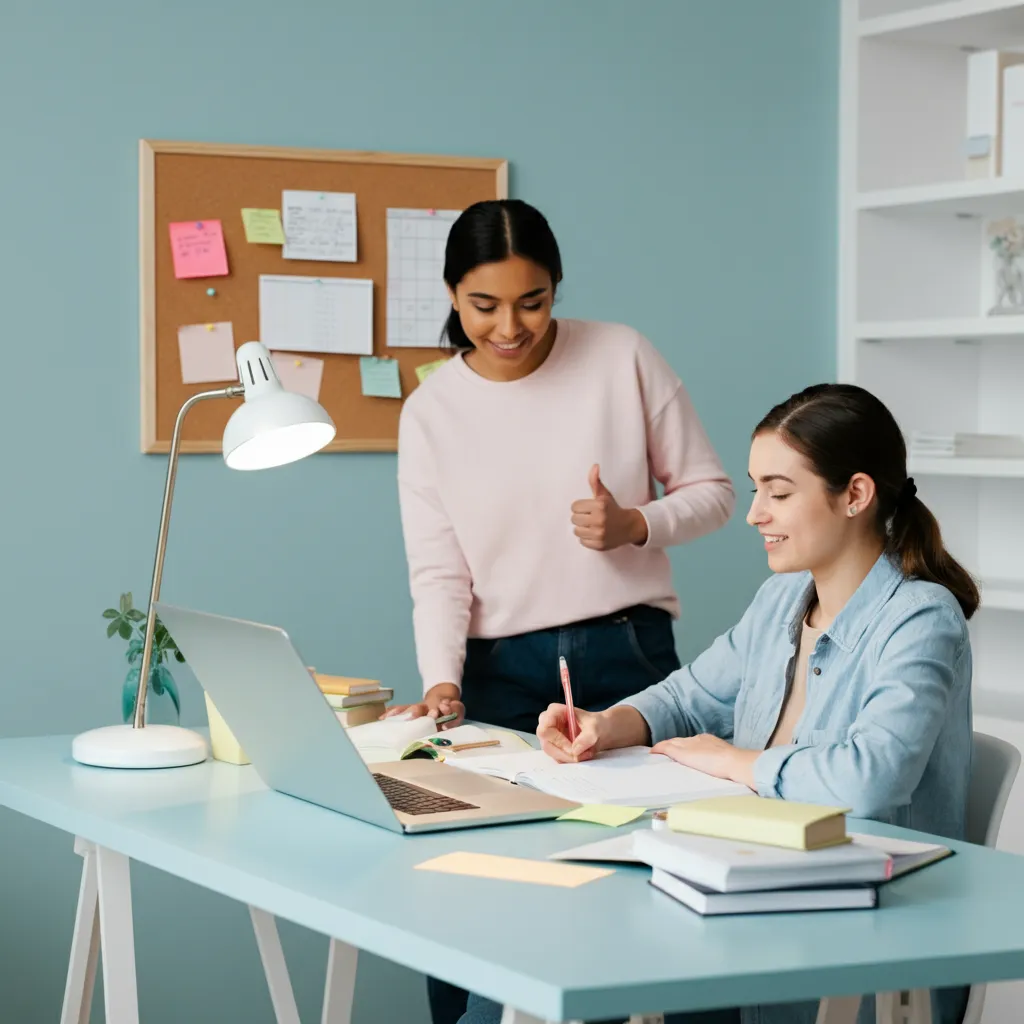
x=526 y=470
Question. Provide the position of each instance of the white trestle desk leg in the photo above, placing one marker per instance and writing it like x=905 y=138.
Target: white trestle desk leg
x=838 y=1010
x=888 y=1008
x=913 y=1007
x=274 y=966
x=919 y=1006
x=340 y=986
x=117 y=937
x=85 y=942
x=510 y=1015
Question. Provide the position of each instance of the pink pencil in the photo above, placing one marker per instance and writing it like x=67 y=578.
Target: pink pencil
x=574 y=729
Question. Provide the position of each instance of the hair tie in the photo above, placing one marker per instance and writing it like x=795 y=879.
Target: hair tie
x=908 y=492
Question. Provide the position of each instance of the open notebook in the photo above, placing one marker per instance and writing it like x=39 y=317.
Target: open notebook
x=631 y=776
x=397 y=739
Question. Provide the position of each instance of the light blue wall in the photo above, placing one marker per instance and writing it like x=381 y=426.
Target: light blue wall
x=685 y=153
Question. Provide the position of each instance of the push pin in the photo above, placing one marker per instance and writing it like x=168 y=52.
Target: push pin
x=199 y=225
x=298 y=362
x=209 y=327
x=211 y=292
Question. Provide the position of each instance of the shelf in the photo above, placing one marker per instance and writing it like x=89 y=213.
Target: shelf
x=992 y=197
x=918 y=465
x=975 y=23
x=983 y=328
x=1005 y=595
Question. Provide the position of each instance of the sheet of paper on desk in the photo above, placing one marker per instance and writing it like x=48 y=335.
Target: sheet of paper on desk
x=319 y=226
x=513 y=869
x=299 y=373
x=631 y=776
x=611 y=815
x=316 y=314
x=207 y=353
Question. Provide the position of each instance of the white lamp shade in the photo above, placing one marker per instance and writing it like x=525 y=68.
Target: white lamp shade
x=273 y=426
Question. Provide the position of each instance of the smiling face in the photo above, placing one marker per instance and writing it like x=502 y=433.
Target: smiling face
x=803 y=525
x=505 y=310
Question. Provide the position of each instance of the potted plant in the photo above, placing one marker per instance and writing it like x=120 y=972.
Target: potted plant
x=163 y=704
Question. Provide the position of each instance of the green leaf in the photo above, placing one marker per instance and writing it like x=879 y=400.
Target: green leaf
x=111 y=629
x=110 y=613
x=126 y=602
x=136 y=616
x=124 y=627
x=179 y=656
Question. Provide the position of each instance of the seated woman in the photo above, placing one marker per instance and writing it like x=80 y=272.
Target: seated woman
x=847 y=681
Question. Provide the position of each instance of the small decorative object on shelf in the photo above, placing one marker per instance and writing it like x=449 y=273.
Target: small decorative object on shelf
x=1006 y=240
x=164 y=705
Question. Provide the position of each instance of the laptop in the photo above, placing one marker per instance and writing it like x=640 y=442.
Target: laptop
x=295 y=742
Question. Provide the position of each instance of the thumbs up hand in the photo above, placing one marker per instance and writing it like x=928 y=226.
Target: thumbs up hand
x=601 y=523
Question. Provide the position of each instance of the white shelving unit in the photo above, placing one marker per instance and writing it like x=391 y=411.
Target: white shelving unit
x=915 y=284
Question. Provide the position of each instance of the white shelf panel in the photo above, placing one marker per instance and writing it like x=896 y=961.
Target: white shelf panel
x=1005 y=595
x=942 y=329
x=952 y=466
x=990 y=197
x=980 y=23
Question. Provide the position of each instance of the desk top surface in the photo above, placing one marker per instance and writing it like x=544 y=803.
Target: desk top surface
x=616 y=945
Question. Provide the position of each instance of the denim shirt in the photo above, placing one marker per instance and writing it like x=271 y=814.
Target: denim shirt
x=886 y=729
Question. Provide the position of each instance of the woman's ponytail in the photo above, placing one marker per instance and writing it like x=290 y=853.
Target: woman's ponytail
x=915 y=542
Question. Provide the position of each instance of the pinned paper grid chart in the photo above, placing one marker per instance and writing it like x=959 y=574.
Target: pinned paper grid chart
x=312 y=314
x=418 y=303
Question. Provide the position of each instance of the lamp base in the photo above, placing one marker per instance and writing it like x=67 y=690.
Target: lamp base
x=123 y=746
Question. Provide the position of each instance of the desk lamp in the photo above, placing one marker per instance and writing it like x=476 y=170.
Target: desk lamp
x=271 y=428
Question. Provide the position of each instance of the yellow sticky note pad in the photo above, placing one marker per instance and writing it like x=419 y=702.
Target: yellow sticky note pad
x=604 y=814
x=263 y=227
x=424 y=371
x=513 y=869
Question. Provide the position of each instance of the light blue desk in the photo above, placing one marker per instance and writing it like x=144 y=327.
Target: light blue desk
x=614 y=946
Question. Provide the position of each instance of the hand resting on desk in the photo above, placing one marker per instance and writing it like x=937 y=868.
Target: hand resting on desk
x=437 y=702
x=625 y=727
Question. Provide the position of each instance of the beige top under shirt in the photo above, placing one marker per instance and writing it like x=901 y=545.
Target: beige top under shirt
x=796 y=698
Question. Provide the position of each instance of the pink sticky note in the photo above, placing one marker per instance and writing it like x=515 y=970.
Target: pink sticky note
x=198 y=249
x=299 y=373
x=207 y=353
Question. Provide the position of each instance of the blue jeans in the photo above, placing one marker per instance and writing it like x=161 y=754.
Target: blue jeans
x=508 y=682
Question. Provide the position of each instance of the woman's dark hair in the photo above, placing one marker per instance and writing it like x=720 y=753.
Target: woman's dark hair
x=842 y=430
x=491 y=231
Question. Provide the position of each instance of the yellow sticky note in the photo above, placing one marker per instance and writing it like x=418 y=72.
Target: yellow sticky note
x=604 y=814
x=263 y=226
x=513 y=869
x=424 y=371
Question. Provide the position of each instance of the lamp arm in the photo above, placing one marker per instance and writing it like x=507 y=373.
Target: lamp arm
x=236 y=391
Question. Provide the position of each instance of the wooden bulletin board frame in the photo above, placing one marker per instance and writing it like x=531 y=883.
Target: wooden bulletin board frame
x=182 y=181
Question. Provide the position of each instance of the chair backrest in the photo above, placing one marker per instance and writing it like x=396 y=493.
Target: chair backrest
x=994 y=766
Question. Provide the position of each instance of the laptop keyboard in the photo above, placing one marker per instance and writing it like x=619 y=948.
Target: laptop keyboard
x=410 y=799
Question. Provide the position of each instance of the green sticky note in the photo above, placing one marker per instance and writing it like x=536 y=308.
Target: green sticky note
x=603 y=814
x=424 y=371
x=380 y=377
x=263 y=226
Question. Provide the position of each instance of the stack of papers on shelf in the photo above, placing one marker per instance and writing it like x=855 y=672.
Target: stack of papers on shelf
x=967 y=446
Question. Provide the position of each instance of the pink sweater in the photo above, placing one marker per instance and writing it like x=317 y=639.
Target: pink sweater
x=487 y=472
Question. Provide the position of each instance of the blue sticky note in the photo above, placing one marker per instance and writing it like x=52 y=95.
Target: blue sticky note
x=380 y=377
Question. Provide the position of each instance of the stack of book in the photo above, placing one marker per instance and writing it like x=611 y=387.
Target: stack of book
x=741 y=855
x=966 y=446
x=355 y=701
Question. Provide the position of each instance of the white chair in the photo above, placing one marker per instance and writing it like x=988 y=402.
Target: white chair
x=994 y=766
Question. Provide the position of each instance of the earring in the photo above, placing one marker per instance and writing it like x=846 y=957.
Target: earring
x=851 y=511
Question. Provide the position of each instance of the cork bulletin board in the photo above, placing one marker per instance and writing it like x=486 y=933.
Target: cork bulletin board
x=181 y=181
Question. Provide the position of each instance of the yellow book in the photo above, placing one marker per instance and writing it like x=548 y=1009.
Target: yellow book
x=756 y=819
x=344 y=685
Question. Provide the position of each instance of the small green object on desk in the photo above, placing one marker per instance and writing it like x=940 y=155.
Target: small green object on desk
x=211 y=291
x=604 y=814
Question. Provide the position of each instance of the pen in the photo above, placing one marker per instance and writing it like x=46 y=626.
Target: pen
x=574 y=729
